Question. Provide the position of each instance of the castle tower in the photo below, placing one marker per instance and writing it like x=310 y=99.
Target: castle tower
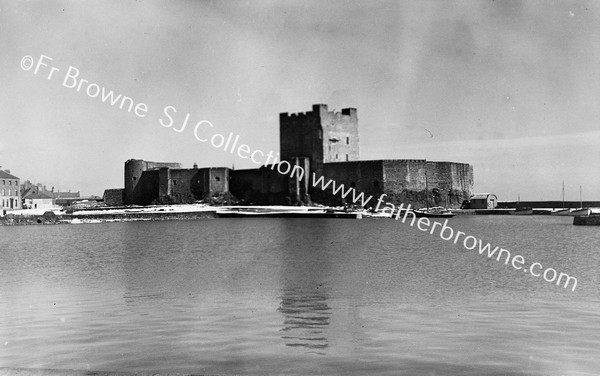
x=133 y=172
x=321 y=135
x=142 y=180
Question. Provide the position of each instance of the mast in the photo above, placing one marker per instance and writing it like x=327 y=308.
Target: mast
x=580 y=201
x=563 y=194
x=426 y=190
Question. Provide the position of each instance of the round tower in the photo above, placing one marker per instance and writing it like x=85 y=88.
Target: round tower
x=133 y=171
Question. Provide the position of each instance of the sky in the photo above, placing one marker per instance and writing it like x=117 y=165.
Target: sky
x=510 y=87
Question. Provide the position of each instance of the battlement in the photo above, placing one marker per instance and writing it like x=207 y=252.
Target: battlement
x=149 y=165
x=323 y=135
x=321 y=110
x=350 y=111
x=397 y=160
x=159 y=165
x=284 y=115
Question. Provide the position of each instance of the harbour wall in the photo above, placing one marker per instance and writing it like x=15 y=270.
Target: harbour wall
x=547 y=204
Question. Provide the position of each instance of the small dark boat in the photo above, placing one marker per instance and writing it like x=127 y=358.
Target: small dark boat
x=521 y=210
x=580 y=212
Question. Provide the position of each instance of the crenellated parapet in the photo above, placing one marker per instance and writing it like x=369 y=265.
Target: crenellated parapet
x=321 y=135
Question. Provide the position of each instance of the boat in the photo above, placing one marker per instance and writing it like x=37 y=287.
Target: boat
x=572 y=212
x=522 y=210
x=563 y=212
x=381 y=214
x=579 y=212
x=434 y=212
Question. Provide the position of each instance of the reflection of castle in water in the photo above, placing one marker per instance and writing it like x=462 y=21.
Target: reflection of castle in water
x=306 y=316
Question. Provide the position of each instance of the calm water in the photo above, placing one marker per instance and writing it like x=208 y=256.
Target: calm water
x=298 y=296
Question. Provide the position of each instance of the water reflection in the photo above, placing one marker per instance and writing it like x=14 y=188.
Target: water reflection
x=266 y=296
x=305 y=277
x=306 y=317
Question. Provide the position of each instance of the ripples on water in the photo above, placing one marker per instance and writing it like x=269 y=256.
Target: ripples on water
x=306 y=315
x=297 y=296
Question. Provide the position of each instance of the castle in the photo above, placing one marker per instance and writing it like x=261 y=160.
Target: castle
x=321 y=142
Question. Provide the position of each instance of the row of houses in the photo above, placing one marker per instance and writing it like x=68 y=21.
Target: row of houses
x=15 y=196
x=38 y=197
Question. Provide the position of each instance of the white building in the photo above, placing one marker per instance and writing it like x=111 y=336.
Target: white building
x=38 y=200
x=483 y=201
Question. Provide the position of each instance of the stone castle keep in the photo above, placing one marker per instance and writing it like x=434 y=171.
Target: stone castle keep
x=319 y=141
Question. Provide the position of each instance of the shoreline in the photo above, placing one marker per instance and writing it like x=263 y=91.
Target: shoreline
x=56 y=216
x=105 y=215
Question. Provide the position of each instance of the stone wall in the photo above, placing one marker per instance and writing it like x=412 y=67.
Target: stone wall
x=181 y=185
x=363 y=176
x=164 y=181
x=260 y=186
x=114 y=197
x=448 y=183
x=146 y=189
x=218 y=179
x=548 y=204
x=186 y=185
x=403 y=181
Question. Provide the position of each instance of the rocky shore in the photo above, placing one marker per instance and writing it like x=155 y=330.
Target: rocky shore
x=60 y=217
